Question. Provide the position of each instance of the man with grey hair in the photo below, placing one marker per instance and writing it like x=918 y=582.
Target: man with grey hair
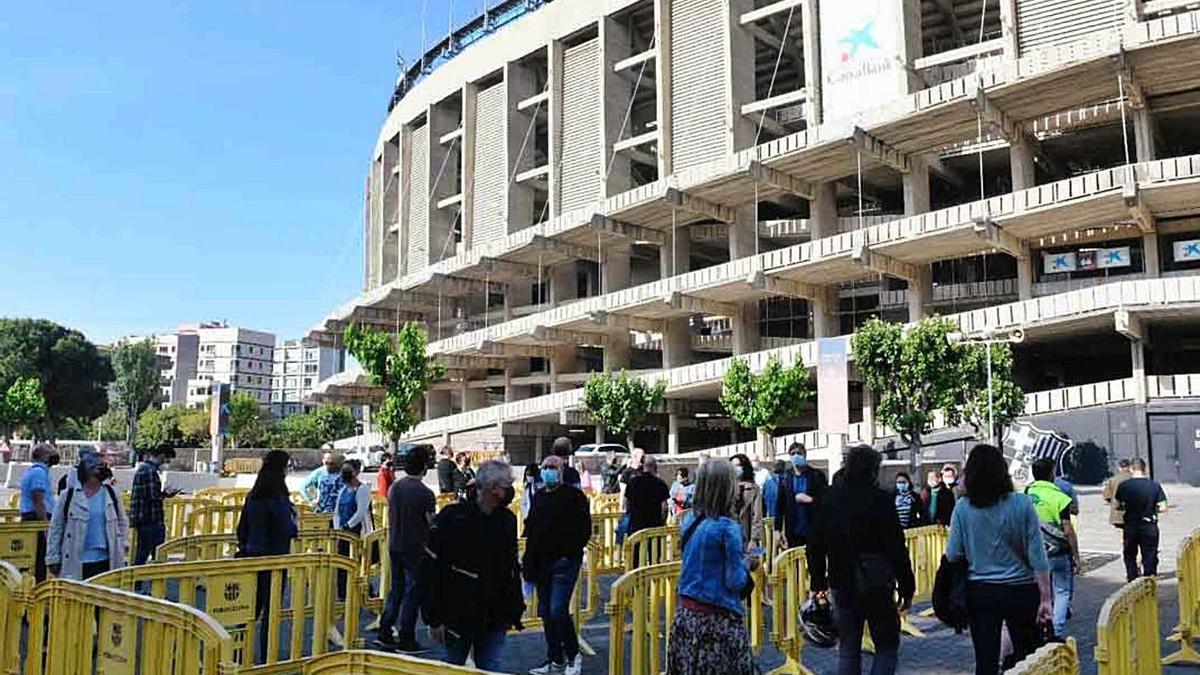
x=37 y=500
x=646 y=497
x=474 y=582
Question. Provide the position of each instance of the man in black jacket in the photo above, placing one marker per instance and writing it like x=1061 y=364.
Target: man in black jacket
x=798 y=493
x=557 y=531
x=474 y=585
x=856 y=546
x=445 y=470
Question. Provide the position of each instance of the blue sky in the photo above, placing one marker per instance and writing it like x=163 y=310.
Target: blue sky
x=165 y=162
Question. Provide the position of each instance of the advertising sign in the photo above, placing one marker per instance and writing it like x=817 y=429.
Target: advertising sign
x=231 y=598
x=833 y=385
x=219 y=410
x=1187 y=251
x=862 y=57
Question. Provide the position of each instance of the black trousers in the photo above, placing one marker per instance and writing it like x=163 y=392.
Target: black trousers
x=992 y=606
x=39 y=563
x=878 y=610
x=1141 y=537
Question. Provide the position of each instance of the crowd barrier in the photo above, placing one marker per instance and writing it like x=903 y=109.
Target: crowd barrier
x=604 y=533
x=646 y=597
x=18 y=543
x=224 y=545
x=925 y=548
x=606 y=503
x=651 y=546
x=243 y=465
x=224 y=495
x=178 y=510
x=14 y=589
x=375 y=563
x=583 y=601
x=213 y=519
x=789 y=588
x=361 y=662
x=14 y=499
x=82 y=628
x=10 y=516
x=1056 y=658
x=1187 y=567
x=301 y=598
x=446 y=499
x=1127 y=638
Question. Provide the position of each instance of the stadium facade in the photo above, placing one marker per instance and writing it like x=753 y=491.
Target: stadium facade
x=573 y=186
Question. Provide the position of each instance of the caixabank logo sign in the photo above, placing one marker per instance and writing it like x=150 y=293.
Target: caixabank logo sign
x=860 y=55
x=860 y=39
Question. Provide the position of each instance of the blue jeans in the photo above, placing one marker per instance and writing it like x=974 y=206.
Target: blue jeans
x=1062 y=579
x=402 y=601
x=149 y=538
x=555 y=585
x=486 y=643
x=878 y=610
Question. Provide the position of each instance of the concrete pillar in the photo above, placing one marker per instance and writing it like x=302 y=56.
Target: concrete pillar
x=676 y=343
x=474 y=398
x=741 y=73
x=555 y=83
x=516 y=368
x=662 y=66
x=1143 y=135
x=561 y=362
x=811 y=25
x=1025 y=272
x=437 y=403
x=916 y=189
x=1137 y=357
x=1008 y=29
x=564 y=285
x=672 y=434
x=444 y=167
x=868 y=413
x=747 y=332
x=1020 y=157
x=675 y=257
x=520 y=83
x=824 y=314
x=823 y=215
x=614 y=276
x=600 y=434
x=517 y=294
x=920 y=294
x=743 y=240
x=616 y=90
x=1150 y=255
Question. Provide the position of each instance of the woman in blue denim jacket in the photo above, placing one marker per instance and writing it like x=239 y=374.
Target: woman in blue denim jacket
x=709 y=634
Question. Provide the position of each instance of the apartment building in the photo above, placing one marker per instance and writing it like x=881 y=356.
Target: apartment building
x=176 y=356
x=236 y=356
x=566 y=187
x=298 y=366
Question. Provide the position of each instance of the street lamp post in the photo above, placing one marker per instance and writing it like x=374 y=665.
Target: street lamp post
x=1015 y=336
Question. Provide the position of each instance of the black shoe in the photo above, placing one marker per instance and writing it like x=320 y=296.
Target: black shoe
x=385 y=642
x=410 y=647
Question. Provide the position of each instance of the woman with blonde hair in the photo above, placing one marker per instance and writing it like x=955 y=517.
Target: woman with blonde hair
x=709 y=634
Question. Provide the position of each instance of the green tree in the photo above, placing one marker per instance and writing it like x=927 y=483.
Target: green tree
x=21 y=404
x=135 y=371
x=1008 y=400
x=401 y=366
x=761 y=402
x=158 y=428
x=246 y=423
x=194 y=426
x=620 y=402
x=111 y=426
x=294 y=431
x=333 y=422
x=74 y=374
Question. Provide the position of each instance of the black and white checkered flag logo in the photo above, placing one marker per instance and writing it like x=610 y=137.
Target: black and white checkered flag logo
x=1024 y=444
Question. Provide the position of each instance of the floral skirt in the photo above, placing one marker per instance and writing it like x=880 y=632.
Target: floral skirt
x=708 y=644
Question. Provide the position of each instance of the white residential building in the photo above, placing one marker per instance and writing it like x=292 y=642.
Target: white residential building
x=236 y=356
x=298 y=366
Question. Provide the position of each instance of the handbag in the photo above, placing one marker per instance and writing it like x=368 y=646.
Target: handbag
x=950 y=594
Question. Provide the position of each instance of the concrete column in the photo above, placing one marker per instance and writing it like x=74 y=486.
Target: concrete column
x=811 y=24
x=662 y=66
x=1025 y=272
x=470 y=106
x=747 y=333
x=1020 y=157
x=555 y=81
x=741 y=74
x=823 y=215
x=616 y=90
x=824 y=314
x=516 y=368
x=600 y=434
x=1150 y=255
x=920 y=293
x=673 y=434
x=474 y=398
x=615 y=275
x=1008 y=30
x=742 y=233
x=916 y=189
x=561 y=363
x=437 y=403
x=1137 y=357
x=444 y=168
x=564 y=285
x=675 y=257
x=520 y=83
x=868 y=413
x=517 y=294
x=1143 y=135
x=676 y=343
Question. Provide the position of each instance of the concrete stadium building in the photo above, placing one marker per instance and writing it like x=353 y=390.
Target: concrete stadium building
x=572 y=186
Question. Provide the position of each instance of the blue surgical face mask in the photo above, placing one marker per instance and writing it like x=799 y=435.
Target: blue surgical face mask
x=902 y=487
x=550 y=477
x=799 y=461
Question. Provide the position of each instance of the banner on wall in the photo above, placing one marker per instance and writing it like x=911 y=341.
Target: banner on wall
x=1187 y=251
x=862 y=57
x=833 y=385
x=1085 y=260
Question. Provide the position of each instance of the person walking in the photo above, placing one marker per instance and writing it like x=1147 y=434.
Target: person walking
x=856 y=547
x=37 y=501
x=708 y=634
x=999 y=536
x=464 y=475
x=266 y=528
x=1053 y=507
x=682 y=491
x=797 y=495
x=779 y=473
x=146 y=504
x=558 y=530
x=446 y=470
x=353 y=513
x=563 y=449
x=646 y=497
x=330 y=487
x=310 y=489
x=411 y=506
x=942 y=497
x=1141 y=499
x=747 y=502
x=89 y=533
x=531 y=485
x=473 y=593
x=610 y=475
x=385 y=476
x=633 y=467
x=910 y=510
x=1115 y=516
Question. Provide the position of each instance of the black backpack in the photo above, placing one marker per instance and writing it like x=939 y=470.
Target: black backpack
x=950 y=594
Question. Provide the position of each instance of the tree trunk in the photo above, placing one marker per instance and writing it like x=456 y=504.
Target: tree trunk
x=766 y=450
x=915 y=454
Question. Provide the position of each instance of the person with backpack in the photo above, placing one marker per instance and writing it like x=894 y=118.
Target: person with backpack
x=89 y=533
x=37 y=501
x=998 y=534
x=747 y=502
x=856 y=547
x=708 y=634
x=1053 y=507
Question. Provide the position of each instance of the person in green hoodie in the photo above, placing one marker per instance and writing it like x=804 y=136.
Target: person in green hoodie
x=1053 y=507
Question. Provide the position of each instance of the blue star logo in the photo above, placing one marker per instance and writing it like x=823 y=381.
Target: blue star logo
x=1192 y=250
x=863 y=37
x=1115 y=257
x=1060 y=261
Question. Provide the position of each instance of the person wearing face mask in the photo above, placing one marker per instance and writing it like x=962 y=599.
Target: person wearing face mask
x=798 y=493
x=146 y=503
x=909 y=507
x=473 y=596
x=37 y=500
x=353 y=513
x=942 y=497
x=89 y=533
x=558 y=529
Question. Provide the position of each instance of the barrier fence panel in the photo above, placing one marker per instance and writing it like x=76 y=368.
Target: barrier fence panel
x=315 y=522
x=375 y=562
x=1056 y=658
x=604 y=533
x=644 y=600
x=223 y=546
x=14 y=499
x=651 y=546
x=925 y=548
x=606 y=503
x=298 y=592
x=10 y=516
x=225 y=496
x=789 y=587
x=1127 y=640
x=379 y=511
x=1188 y=572
x=82 y=628
x=446 y=499
x=14 y=591
x=360 y=662
x=214 y=519
x=243 y=465
x=178 y=510
x=18 y=543
x=771 y=539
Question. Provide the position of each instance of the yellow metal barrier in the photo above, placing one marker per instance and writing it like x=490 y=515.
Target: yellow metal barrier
x=789 y=588
x=243 y=465
x=379 y=511
x=647 y=595
x=82 y=628
x=14 y=499
x=213 y=519
x=360 y=662
x=654 y=546
x=1056 y=658
x=606 y=503
x=18 y=543
x=224 y=545
x=230 y=587
x=446 y=499
x=375 y=562
x=604 y=533
x=10 y=516
x=14 y=592
x=177 y=511
x=1188 y=572
x=1127 y=640
x=925 y=548
x=315 y=522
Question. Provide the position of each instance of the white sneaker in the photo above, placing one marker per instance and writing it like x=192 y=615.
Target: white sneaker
x=548 y=668
x=575 y=666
